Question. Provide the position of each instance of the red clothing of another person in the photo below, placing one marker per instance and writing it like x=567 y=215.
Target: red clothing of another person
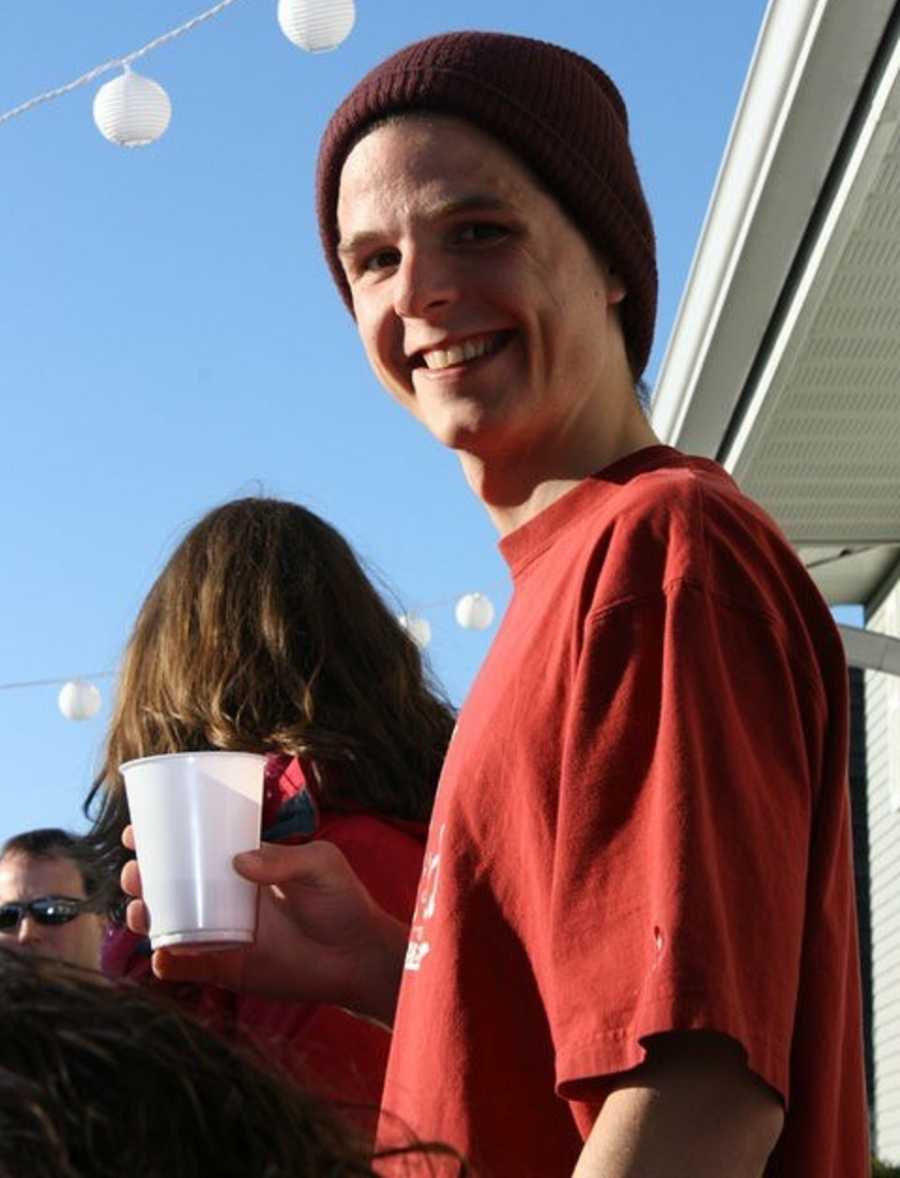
x=642 y=826
x=340 y=1056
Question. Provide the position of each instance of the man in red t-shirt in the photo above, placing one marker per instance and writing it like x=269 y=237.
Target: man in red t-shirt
x=634 y=949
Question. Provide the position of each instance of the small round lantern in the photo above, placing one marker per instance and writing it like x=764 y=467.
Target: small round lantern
x=79 y=700
x=316 y=25
x=419 y=629
x=474 y=611
x=132 y=110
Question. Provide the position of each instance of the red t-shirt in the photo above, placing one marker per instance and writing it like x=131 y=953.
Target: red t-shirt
x=642 y=825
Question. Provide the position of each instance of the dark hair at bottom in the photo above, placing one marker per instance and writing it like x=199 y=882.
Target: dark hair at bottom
x=97 y=1078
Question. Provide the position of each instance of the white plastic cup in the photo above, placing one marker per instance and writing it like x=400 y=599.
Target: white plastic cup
x=192 y=813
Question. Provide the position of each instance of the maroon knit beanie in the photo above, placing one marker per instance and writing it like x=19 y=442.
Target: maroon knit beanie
x=557 y=111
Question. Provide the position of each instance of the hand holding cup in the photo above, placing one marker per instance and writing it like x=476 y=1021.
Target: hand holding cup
x=320 y=936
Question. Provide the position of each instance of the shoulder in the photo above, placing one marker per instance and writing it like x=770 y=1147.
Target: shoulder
x=684 y=526
x=385 y=853
x=666 y=497
x=368 y=830
x=678 y=520
x=686 y=500
x=376 y=846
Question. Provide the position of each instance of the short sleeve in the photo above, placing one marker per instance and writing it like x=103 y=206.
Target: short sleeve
x=683 y=833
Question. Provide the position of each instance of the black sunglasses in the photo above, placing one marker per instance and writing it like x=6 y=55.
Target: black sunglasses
x=44 y=909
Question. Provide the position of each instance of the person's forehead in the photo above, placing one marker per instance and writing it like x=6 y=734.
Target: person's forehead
x=433 y=158
x=24 y=877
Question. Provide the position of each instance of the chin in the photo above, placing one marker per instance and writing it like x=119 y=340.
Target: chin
x=456 y=435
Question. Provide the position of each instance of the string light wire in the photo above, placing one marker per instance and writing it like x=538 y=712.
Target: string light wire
x=415 y=610
x=114 y=63
x=57 y=682
x=48 y=95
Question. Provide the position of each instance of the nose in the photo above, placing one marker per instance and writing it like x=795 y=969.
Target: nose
x=29 y=931
x=426 y=282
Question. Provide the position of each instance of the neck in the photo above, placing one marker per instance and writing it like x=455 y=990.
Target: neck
x=516 y=488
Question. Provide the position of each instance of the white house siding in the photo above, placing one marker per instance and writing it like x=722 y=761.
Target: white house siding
x=883 y=738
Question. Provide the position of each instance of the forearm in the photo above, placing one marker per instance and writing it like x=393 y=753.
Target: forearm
x=692 y=1111
x=634 y=1142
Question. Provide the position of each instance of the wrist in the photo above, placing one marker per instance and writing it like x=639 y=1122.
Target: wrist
x=381 y=970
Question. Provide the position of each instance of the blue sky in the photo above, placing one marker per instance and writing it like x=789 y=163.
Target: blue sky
x=170 y=339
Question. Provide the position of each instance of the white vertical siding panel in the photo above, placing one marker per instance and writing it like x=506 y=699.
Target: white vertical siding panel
x=884 y=866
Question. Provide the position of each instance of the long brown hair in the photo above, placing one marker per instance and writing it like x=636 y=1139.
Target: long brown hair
x=264 y=634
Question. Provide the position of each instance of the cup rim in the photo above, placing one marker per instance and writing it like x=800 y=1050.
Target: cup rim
x=195 y=756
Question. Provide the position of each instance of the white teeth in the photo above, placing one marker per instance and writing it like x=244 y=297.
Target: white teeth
x=469 y=349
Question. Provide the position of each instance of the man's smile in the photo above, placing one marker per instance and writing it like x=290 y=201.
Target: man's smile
x=461 y=352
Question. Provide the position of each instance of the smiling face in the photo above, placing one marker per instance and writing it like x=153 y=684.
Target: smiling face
x=481 y=307
x=26 y=877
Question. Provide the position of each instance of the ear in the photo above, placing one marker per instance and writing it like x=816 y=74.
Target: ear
x=615 y=288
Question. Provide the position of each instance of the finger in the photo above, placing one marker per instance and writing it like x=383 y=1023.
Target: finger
x=137 y=918
x=211 y=968
x=275 y=863
x=130 y=878
x=128 y=837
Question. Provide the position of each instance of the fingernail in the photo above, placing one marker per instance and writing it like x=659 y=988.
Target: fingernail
x=247 y=857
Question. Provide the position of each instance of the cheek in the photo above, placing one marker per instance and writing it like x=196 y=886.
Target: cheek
x=68 y=937
x=367 y=326
x=382 y=342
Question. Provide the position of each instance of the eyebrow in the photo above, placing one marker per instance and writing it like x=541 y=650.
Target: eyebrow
x=477 y=202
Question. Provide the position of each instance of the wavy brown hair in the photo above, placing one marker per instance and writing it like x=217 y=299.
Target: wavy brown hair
x=264 y=634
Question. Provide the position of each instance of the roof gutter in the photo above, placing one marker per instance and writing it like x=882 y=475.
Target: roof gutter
x=870 y=650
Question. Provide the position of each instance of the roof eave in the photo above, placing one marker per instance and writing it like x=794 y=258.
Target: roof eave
x=810 y=62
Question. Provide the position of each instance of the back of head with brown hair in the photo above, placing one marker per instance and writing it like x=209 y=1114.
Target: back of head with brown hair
x=264 y=634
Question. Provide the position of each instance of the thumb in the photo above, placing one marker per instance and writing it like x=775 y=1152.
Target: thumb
x=276 y=863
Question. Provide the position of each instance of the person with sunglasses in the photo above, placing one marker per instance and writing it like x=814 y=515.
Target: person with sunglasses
x=47 y=897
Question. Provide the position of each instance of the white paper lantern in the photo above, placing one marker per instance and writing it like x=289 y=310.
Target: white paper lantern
x=132 y=110
x=316 y=25
x=474 y=611
x=419 y=629
x=79 y=700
